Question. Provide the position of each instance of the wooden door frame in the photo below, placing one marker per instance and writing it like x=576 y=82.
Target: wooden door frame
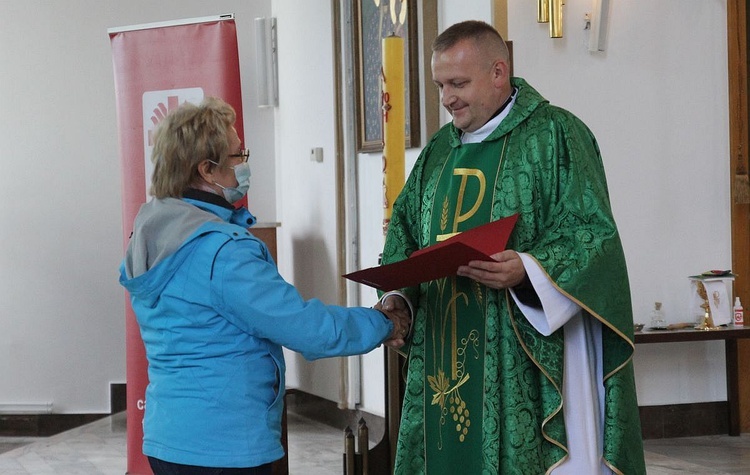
x=739 y=171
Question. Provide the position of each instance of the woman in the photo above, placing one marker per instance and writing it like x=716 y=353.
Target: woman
x=213 y=310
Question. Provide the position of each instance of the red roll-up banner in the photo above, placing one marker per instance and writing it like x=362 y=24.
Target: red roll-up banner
x=157 y=67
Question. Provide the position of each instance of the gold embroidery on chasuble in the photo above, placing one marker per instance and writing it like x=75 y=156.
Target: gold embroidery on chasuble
x=456 y=309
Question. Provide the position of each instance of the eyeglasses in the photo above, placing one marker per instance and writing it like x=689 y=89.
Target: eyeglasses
x=244 y=153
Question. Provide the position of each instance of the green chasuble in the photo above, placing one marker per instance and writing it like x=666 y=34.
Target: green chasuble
x=483 y=390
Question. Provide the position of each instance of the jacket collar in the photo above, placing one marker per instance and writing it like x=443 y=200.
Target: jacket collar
x=217 y=205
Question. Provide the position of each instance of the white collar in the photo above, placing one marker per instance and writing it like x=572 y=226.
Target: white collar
x=482 y=132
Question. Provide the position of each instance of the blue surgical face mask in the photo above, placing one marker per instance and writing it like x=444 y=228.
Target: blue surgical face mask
x=242 y=174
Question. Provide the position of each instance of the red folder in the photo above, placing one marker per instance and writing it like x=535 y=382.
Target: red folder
x=441 y=259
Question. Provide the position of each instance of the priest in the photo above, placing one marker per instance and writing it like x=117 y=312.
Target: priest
x=522 y=364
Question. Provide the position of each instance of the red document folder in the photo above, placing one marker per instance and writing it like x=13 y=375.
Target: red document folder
x=441 y=259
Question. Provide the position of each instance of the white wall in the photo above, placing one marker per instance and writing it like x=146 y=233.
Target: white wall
x=306 y=189
x=61 y=309
x=656 y=99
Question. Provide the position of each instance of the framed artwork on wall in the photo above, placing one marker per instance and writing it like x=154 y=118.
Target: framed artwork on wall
x=374 y=20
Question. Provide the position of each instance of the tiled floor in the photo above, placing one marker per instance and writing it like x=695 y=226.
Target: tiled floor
x=315 y=449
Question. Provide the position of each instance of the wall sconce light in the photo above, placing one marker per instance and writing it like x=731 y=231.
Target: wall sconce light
x=266 y=62
x=598 y=25
x=542 y=11
x=555 y=19
x=550 y=11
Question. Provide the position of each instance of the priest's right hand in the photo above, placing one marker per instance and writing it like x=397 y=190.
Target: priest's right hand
x=401 y=319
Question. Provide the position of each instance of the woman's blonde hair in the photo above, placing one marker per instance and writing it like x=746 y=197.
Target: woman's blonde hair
x=183 y=139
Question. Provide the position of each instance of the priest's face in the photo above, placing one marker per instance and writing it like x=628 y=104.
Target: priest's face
x=472 y=86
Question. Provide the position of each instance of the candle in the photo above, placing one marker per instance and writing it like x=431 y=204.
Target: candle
x=394 y=123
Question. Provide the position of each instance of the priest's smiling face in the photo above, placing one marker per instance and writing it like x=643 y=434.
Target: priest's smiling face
x=473 y=84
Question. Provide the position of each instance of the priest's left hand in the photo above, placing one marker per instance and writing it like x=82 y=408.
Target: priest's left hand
x=505 y=271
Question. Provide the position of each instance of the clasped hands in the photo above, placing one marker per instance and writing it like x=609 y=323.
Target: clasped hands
x=505 y=271
x=396 y=309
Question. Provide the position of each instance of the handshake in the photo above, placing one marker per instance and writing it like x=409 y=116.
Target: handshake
x=399 y=311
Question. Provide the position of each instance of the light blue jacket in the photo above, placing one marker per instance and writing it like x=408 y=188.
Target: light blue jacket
x=214 y=314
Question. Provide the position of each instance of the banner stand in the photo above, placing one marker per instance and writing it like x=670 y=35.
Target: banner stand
x=157 y=67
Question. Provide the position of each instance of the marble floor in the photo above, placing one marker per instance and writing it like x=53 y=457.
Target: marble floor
x=315 y=449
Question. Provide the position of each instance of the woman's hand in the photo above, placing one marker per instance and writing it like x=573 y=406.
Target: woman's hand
x=397 y=311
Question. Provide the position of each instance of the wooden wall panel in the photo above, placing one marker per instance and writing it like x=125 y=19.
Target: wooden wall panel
x=739 y=171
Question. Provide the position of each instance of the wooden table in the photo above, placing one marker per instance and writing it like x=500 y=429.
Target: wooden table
x=730 y=335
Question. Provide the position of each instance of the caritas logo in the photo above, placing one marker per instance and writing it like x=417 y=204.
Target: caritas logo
x=156 y=106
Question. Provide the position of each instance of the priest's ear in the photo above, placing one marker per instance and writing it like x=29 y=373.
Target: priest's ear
x=501 y=74
x=501 y=71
